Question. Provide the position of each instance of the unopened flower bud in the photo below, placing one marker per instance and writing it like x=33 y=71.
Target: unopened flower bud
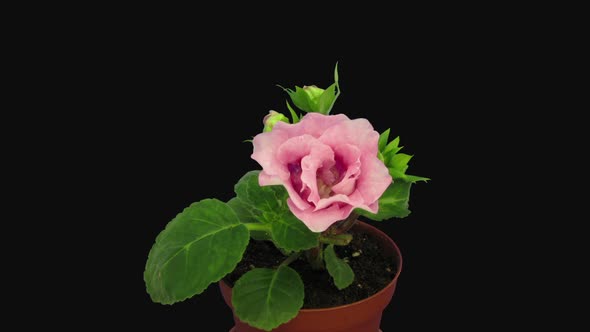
x=271 y=118
x=313 y=92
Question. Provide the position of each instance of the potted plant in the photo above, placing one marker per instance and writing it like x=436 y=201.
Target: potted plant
x=288 y=251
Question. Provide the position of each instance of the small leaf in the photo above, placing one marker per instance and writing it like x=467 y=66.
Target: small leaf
x=393 y=203
x=301 y=100
x=266 y=298
x=327 y=99
x=198 y=247
x=339 y=270
x=414 y=178
x=392 y=147
x=294 y=116
x=397 y=174
x=400 y=162
x=383 y=140
x=336 y=72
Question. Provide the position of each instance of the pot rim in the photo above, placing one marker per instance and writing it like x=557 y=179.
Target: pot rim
x=392 y=283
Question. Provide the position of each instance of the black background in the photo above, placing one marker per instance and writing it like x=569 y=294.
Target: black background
x=135 y=115
x=175 y=117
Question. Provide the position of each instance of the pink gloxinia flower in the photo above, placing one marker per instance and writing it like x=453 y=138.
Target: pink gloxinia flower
x=327 y=163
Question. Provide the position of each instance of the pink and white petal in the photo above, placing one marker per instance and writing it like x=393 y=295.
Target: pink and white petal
x=320 y=155
x=319 y=221
x=295 y=148
x=373 y=208
x=346 y=186
x=264 y=179
x=358 y=132
x=265 y=149
x=313 y=124
x=349 y=156
x=373 y=180
x=295 y=197
x=325 y=202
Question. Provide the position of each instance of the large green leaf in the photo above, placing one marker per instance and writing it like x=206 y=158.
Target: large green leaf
x=266 y=298
x=268 y=204
x=339 y=270
x=198 y=247
x=247 y=214
x=393 y=203
x=259 y=199
x=291 y=234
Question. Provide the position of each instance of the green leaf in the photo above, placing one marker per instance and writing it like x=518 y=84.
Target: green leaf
x=247 y=214
x=327 y=99
x=393 y=203
x=414 y=178
x=301 y=99
x=383 y=140
x=198 y=247
x=400 y=162
x=291 y=234
x=393 y=147
x=269 y=205
x=266 y=298
x=397 y=174
x=294 y=116
x=259 y=199
x=339 y=270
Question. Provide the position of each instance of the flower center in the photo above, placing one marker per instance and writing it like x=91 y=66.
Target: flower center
x=326 y=177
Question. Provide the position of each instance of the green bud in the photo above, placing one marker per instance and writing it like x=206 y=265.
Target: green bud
x=313 y=92
x=310 y=98
x=271 y=118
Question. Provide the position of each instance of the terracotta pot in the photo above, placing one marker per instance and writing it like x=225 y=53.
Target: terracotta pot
x=361 y=316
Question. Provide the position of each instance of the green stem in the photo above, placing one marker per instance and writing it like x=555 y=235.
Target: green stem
x=291 y=258
x=338 y=240
x=343 y=226
x=257 y=227
x=315 y=257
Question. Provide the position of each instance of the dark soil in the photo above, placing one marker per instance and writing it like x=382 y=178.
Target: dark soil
x=372 y=271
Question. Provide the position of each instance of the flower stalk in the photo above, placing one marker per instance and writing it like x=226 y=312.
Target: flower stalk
x=338 y=240
x=315 y=257
x=343 y=226
x=293 y=257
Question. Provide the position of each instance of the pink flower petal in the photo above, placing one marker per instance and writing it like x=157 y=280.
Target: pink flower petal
x=373 y=180
x=265 y=147
x=350 y=158
x=357 y=132
x=314 y=124
x=319 y=221
x=303 y=153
